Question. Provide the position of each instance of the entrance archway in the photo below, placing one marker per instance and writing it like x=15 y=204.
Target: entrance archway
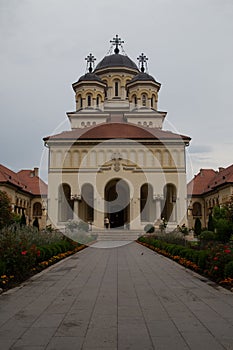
x=170 y=197
x=65 y=204
x=117 y=205
x=86 y=206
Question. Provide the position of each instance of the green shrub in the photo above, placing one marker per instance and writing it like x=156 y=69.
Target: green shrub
x=228 y=270
x=2 y=268
x=149 y=228
x=224 y=230
x=207 y=236
x=210 y=225
x=202 y=259
x=178 y=250
x=83 y=226
x=6 y=215
x=173 y=237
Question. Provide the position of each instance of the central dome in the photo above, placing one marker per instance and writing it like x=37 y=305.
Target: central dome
x=116 y=60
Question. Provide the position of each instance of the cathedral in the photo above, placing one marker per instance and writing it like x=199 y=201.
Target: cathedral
x=117 y=164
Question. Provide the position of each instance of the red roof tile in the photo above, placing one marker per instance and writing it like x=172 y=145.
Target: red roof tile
x=208 y=179
x=117 y=131
x=24 y=180
x=34 y=183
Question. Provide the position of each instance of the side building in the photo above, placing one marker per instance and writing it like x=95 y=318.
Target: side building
x=209 y=188
x=27 y=193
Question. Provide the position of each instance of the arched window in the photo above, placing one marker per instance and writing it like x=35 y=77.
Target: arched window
x=80 y=101
x=116 y=88
x=87 y=203
x=97 y=101
x=37 y=209
x=170 y=196
x=196 y=209
x=146 y=203
x=89 y=100
x=135 y=100
x=65 y=204
x=153 y=101
x=144 y=100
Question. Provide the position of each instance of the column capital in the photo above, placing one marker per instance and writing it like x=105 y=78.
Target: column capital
x=158 y=197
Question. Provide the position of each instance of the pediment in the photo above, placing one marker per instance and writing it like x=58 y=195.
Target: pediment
x=119 y=164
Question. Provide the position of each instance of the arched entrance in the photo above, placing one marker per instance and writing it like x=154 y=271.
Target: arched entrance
x=65 y=204
x=86 y=206
x=147 y=205
x=170 y=197
x=117 y=203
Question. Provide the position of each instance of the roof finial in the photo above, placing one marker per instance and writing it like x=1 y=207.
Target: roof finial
x=117 y=42
x=142 y=59
x=90 y=59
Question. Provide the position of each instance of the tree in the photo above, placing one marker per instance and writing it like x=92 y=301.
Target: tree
x=23 y=221
x=210 y=225
x=197 y=226
x=6 y=214
x=223 y=222
x=224 y=230
x=36 y=223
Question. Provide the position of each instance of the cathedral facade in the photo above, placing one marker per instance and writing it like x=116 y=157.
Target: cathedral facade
x=117 y=163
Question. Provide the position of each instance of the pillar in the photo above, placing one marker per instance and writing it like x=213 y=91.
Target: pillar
x=158 y=208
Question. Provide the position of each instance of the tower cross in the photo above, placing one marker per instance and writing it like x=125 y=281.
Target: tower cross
x=91 y=60
x=142 y=59
x=116 y=42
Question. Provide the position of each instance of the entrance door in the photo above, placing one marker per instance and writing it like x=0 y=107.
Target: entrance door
x=117 y=203
x=117 y=219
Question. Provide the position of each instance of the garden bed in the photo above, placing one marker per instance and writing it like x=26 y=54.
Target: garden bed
x=214 y=262
x=25 y=251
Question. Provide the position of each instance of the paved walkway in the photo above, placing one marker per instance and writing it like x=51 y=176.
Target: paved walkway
x=127 y=297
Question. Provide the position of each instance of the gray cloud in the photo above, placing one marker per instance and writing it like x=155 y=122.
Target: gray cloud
x=200 y=149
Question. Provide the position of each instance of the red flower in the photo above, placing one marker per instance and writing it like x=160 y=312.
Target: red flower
x=24 y=252
x=227 y=251
x=38 y=253
x=215 y=268
x=215 y=258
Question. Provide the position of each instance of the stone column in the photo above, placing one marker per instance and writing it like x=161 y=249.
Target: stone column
x=76 y=205
x=158 y=208
x=173 y=214
x=98 y=213
x=135 y=216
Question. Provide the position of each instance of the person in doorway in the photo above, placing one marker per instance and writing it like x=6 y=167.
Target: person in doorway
x=106 y=222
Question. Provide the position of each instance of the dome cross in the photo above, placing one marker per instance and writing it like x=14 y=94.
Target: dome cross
x=91 y=60
x=116 y=42
x=142 y=60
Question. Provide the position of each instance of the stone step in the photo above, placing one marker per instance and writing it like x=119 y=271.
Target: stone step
x=118 y=235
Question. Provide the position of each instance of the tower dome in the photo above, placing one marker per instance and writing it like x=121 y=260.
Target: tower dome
x=116 y=60
x=89 y=77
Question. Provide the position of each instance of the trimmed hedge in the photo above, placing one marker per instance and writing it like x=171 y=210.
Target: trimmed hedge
x=198 y=257
x=47 y=251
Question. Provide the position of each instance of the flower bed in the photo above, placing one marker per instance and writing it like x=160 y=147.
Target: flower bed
x=26 y=251
x=214 y=262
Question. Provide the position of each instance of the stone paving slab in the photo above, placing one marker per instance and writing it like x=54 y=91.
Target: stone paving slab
x=116 y=297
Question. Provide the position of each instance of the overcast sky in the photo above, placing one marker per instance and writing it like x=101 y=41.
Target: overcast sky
x=43 y=48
